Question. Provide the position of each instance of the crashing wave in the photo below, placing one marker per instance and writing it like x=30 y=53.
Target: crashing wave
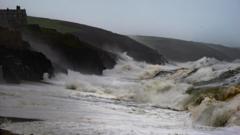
x=216 y=113
x=166 y=86
x=214 y=106
x=203 y=62
x=126 y=67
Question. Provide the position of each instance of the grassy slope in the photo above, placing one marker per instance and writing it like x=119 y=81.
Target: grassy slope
x=102 y=39
x=62 y=26
x=180 y=50
x=53 y=24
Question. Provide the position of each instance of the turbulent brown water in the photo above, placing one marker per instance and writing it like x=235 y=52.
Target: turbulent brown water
x=198 y=98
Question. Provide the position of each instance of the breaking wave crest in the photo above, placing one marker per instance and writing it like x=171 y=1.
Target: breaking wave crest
x=165 y=86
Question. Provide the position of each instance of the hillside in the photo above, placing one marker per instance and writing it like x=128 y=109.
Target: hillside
x=18 y=61
x=180 y=50
x=103 y=39
x=67 y=52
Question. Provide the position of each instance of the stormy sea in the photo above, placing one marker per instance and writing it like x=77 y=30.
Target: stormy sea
x=196 y=97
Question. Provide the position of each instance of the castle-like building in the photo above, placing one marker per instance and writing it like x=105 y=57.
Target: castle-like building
x=13 y=18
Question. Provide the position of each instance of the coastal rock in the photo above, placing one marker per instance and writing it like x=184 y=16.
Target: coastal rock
x=68 y=52
x=17 y=60
x=20 y=65
x=5 y=132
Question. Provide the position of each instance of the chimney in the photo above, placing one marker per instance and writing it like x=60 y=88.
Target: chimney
x=18 y=8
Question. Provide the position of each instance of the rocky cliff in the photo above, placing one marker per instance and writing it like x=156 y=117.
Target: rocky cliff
x=18 y=62
x=68 y=52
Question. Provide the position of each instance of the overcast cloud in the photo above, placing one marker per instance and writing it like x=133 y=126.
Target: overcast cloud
x=214 y=21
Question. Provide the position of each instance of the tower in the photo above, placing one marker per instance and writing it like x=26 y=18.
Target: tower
x=13 y=18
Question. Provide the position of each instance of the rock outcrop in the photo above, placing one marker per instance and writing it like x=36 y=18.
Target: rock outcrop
x=5 y=132
x=74 y=53
x=20 y=65
x=18 y=61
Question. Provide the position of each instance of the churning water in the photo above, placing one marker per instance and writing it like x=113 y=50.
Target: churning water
x=132 y=98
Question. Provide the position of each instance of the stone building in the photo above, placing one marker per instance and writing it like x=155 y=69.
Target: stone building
x=13 y=18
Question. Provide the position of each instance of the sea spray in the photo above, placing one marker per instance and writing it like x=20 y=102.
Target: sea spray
x=216 y=113
x=217 y=106
x=165 y=86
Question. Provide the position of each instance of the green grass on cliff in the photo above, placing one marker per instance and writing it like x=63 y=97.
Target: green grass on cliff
x=53 y=24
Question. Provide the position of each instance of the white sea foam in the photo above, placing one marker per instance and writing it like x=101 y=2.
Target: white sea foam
x=123 y=95
x=137 y=81
x=216 y=113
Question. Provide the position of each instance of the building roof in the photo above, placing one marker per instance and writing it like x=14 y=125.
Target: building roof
x=18 y=9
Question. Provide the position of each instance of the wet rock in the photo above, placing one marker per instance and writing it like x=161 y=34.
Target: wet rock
x=20 y=65
x=17 y=60
x=5 y=132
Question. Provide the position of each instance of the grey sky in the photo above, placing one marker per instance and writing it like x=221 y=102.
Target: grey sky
x=215 y=21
